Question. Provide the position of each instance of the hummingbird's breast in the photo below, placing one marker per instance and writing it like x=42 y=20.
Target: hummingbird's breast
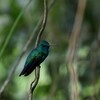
x=45 y=51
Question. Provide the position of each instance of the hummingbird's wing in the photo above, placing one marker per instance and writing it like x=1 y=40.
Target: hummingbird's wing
x=36 y=62
x=34 y=59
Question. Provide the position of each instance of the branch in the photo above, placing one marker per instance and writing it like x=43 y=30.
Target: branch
x=72 y=49
x=37 y=70
x=35 y=82
x=10 y=75
x=12 y=29
x=43 y=23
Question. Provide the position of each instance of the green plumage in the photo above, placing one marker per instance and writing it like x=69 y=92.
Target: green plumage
x=35 y=58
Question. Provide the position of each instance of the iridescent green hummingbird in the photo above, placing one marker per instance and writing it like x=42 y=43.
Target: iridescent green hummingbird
x=36 y=57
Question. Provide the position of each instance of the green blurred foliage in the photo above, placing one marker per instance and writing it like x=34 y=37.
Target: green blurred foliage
x=54 y=78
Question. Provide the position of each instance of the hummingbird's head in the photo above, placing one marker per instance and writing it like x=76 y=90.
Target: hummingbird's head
x=44 y=44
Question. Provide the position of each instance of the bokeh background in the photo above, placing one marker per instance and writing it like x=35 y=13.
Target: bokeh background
x=54 y=76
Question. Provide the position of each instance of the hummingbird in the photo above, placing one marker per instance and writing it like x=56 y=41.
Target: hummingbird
x=36 y=57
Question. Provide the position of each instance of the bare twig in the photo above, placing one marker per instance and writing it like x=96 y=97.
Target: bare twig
x=43 y=23
x=74 y=95
x=37 y=70
x=10 y=75
x=37 y=27
x=35 y=82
